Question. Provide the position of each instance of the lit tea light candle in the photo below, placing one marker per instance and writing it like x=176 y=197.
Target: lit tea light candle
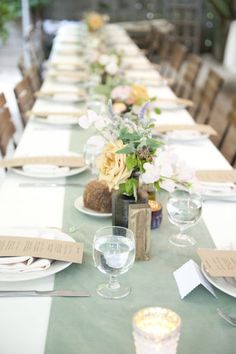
x=156 y=331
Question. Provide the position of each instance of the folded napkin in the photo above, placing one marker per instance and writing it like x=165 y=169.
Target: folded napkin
x=23 y=264
x=46 y=170
x=223 y=191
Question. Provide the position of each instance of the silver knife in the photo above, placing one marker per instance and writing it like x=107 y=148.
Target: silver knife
x=46 y=185
x=51 y=293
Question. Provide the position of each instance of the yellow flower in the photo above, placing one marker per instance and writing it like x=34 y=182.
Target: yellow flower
x=112 y=166
x=95 y=22
x=139 y=94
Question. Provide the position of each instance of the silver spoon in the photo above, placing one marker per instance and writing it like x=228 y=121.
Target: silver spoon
x=226 y=317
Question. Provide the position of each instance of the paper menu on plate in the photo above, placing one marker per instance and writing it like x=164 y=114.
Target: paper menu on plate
x=41 y=248
x=218 y=263
x=68 y=161
x=221 y=176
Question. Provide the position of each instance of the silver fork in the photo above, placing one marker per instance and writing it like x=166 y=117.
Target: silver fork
x=226 y=317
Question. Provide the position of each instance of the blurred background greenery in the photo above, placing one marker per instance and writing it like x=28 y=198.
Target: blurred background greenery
x=213 y=16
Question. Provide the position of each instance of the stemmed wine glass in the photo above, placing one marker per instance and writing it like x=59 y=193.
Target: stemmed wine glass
x=184 y=210
x=92 y=149
x=113 y=254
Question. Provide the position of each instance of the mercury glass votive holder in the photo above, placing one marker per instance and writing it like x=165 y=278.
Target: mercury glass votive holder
x=156 y=330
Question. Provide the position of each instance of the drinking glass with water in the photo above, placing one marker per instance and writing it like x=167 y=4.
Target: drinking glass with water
x=184 y=210
x=113 y=254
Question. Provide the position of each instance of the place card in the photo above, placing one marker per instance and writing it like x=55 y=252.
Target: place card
x=201 y=128
x=188 y=277
x=41 y=248
x=63 y=161
x=216 y=175
x=218 y=263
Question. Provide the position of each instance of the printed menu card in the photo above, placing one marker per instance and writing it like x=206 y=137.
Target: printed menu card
x=41 y=248
x=69 y=161
x=221 y=176
x=218 y=263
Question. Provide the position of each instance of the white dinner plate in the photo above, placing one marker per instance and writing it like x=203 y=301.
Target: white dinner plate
x=57 y=120
x=57 y=97
x=79 y=205
x=164 y=106
x=53 y=174
x=226 y=285
x=185 y=136
x=55 y=267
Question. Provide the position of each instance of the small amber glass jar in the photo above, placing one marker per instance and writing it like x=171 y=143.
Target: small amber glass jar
x=156 y=209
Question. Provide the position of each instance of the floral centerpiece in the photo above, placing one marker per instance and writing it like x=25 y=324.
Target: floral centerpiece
x=132 y=156
x=94 y=21
x=107 y=66
x=124 y=98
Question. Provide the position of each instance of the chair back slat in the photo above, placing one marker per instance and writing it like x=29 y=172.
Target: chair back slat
x=204 y=101
x=25 y=97
x=184 y=88
x=228 y=145
x=7 y=128
x=34 y=77
x=2 y=100
x=178 y=56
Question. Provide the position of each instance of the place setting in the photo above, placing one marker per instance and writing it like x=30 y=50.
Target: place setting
x=17 y=266
x=180 y=133
x=217 y=185
x=45 y=167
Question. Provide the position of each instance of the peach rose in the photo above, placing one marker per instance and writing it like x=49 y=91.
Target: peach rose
x=95 y=22
x=112 y=166
x=139 y=94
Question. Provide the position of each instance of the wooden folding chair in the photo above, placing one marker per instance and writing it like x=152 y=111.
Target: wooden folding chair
x=2 y=101
x=7 y=128
x=34 y=77
x=184 y=87
x=165 y=50
x=228 y=144
x=25 y=97
x=205 y=99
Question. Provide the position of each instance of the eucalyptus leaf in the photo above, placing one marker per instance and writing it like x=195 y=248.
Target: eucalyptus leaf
x=128 y=149
x=157 y=110
x=131 y=162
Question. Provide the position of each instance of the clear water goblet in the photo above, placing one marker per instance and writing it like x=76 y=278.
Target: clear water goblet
x=184 y=210
x=113 y=254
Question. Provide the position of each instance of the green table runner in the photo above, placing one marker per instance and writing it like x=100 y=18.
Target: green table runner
x=100 y=326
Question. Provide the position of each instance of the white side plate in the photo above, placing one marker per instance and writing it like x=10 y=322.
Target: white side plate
x=79 y=205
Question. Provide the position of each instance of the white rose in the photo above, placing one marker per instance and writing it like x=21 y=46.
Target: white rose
x=112 y=68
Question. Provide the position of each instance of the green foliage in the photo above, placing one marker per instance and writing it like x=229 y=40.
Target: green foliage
x=7 y=13
x=224 y=8
x=10 y=9
x=157 y=110
x=129 y=187
x=131 y=162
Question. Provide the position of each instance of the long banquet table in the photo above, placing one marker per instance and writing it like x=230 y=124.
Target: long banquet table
x=96 y=325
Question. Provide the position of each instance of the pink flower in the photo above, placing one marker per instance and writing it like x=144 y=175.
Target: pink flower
x=121 y=93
